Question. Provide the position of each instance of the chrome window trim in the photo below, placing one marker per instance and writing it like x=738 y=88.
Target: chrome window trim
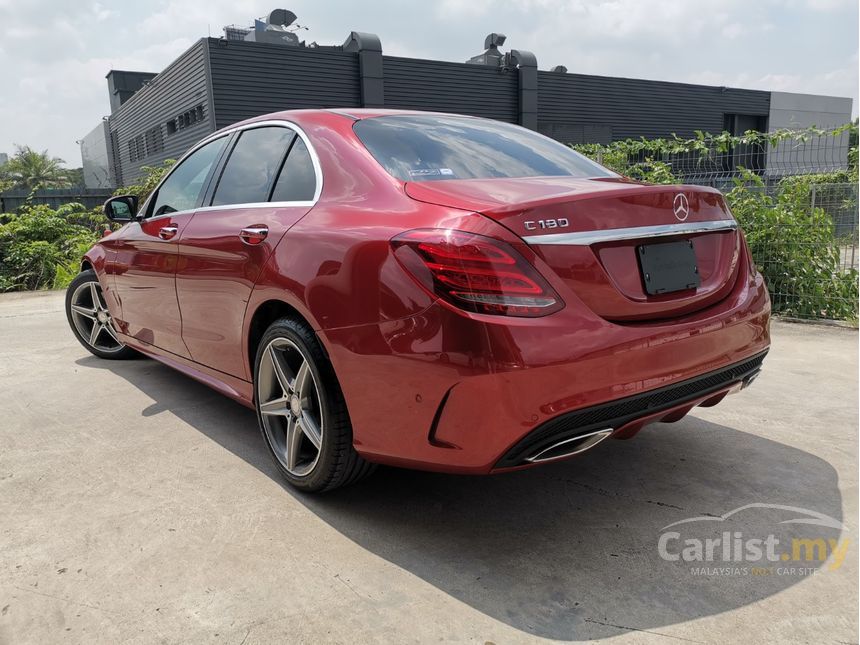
x=586 y=238
x=221 y=207
x=315 y=161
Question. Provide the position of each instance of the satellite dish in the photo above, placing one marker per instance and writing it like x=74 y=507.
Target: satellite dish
x=281 y=17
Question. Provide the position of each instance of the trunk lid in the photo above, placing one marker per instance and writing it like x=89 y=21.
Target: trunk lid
x=588 y=232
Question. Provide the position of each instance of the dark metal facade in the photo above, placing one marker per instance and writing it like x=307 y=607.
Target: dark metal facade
x=576 y=108
x=165 y=118
x=249 y=79
x=218 y=82
x=438 y=86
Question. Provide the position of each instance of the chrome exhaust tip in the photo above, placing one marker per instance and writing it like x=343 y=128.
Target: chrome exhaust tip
x=749 y=379
x=572 y=446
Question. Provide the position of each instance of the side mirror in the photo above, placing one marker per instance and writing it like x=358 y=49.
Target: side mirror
x=121 y=209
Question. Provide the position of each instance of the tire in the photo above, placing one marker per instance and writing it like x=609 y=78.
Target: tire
x=90 y=321
x=304 y=423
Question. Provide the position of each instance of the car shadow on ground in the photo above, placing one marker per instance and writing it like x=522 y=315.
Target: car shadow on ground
x=567 y=551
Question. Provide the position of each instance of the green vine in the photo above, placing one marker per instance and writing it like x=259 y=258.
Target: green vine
x=706 y=144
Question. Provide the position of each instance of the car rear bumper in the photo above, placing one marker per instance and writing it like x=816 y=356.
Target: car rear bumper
x=567 y=433
x=477 y=394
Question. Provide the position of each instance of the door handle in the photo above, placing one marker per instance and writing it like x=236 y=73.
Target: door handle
x=167 y=232
x=254 y=234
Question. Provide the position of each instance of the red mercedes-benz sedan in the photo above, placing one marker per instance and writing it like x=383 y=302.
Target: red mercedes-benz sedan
x=425 y=290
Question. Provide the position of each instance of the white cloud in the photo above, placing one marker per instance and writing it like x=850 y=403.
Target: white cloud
x=830 y=5
x=836 y=82
x=101 y=13
x=734 y=30
x=448 y=9
x=182 y=18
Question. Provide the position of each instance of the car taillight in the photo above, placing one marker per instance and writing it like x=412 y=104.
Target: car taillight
x=475 y=273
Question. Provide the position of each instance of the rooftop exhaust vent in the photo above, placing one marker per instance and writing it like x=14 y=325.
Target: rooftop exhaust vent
x=491 y=56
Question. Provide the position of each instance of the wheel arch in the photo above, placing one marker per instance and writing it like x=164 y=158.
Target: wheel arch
x=94 y=259
x=263 y=316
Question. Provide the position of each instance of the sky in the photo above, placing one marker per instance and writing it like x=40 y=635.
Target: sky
x=53 y=58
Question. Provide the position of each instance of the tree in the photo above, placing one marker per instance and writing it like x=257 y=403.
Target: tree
x=30 y=169
x=146 y=184
x=75 y=176
x=5 y=182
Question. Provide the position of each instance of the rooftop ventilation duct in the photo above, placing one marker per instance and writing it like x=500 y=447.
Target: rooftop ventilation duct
x=491 y=56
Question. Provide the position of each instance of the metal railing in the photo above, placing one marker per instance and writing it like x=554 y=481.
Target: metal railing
x=810 y=154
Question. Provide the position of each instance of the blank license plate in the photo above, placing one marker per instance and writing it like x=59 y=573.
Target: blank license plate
x=668 y=267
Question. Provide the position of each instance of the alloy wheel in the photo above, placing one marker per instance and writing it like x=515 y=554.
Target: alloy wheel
x=290 y=406
x=92 y=319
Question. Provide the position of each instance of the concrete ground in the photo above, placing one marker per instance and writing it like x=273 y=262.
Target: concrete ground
x=139 y=506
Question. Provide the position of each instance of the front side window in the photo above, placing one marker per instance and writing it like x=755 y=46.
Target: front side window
x=433 y=148
x=297 y=181
x=252 y=165
x=184 y=186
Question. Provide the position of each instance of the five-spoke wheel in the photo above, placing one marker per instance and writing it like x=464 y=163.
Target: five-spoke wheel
x=290 y=406
x=90 y=319
x=301 y=410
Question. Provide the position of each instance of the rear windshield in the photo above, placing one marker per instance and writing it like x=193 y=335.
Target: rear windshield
x=433 y=148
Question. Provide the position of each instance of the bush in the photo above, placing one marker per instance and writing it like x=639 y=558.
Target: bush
x=795 y=248
x=151 y=176
x=41 y=247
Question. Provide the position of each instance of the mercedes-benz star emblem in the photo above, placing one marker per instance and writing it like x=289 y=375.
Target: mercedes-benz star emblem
x=681 y=207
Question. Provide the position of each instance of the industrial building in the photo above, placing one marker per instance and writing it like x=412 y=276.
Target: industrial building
x=266 y=68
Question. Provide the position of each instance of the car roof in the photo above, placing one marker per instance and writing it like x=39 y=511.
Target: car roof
x=308 y=116
x=369 y=113
x=353 y=113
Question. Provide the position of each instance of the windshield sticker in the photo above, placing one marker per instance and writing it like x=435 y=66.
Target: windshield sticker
x=431 y=172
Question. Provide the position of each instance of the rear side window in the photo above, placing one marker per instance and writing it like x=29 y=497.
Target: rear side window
x=252 y=166
x=297 y=181
x=433 y=148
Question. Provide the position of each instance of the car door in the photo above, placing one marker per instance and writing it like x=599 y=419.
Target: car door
x=269 y=181
x=143 y=270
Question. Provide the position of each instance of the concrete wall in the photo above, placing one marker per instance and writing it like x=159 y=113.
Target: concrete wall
x=800 y=111
x=96 y=158
x=796 y=111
